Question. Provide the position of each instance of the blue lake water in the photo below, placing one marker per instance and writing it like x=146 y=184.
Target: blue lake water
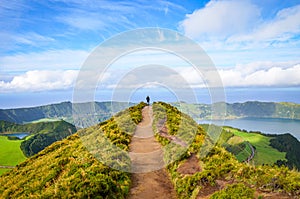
x=19 y=135
x=264 y=125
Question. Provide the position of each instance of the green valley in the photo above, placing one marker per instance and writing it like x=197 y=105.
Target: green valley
x=42 y=134
x=264 y=153
x=10 y=154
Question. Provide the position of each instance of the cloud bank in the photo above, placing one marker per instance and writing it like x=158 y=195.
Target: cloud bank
x=40 y=81
x=258 y=74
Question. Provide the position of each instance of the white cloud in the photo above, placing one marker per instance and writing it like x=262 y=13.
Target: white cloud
x=255 y=74
x=40 y=81
x=260 y=74
x=234 y=24
x=282 y=27
x=46 y=60
x=220 y=19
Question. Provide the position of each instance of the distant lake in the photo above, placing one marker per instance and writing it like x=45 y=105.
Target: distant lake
x=19 y=135
x=264 y=125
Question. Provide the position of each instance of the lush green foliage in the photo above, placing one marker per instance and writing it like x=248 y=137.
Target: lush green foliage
x=67 y=168
x=291 y=146
x=219 y=164
x=234 y=191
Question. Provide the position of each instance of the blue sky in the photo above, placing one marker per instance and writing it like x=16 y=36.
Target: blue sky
x=44 y=43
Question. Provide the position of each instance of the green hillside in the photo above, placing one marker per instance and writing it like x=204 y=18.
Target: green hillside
x=283 y=149
x=219 y=167
x=42 y=134
x=104 y=110
x=67 y=169
x=10 y=153
x=64 y=110
x=246 y=109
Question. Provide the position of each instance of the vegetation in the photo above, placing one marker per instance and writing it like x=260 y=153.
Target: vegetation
x=234 y=191
x=11 y=153
x=291 y=146
x=67 y=168
x=104 y=110
x=84 y=165
x=64 y=110
x=54 y=132
x=43 y=134
x=246 y=109
x=264 y=152
x=3 y=171
x=219 y=164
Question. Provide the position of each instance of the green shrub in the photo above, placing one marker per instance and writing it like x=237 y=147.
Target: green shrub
x=234 y=191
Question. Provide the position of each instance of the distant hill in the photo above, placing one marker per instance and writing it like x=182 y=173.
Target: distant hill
x=102 y=110
x=67 y=169
x=42 y=134
x=239 y=110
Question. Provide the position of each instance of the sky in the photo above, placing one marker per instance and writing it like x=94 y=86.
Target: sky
x=253 y=44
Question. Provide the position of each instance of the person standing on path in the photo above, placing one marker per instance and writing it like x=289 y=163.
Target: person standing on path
x=148 y=100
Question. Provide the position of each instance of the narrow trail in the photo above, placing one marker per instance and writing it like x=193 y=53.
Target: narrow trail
x=252 y=153
x=6 y=167
x=149 y=177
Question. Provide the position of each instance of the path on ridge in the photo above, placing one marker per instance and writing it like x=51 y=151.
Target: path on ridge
x=148 y=180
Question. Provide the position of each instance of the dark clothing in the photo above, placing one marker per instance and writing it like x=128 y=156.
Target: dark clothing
x=148 y=100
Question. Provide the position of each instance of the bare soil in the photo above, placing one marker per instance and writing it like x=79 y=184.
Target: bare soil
x=149 y=176
x=190 y=166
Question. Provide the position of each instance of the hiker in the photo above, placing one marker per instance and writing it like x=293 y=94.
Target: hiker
x=148 y=100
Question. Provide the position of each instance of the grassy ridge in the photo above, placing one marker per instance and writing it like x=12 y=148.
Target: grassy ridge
x=68 y=169
x=219 y=164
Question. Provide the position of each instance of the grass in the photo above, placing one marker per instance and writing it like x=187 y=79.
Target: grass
x=11 y=153
x=265 y=154
x=73 y=169
x=246 y=152
x=3 y=171
x=243 y=155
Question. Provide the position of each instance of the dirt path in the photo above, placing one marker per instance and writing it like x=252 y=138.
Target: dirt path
x=252 y=153
x=6 y=167
x=148 y=180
